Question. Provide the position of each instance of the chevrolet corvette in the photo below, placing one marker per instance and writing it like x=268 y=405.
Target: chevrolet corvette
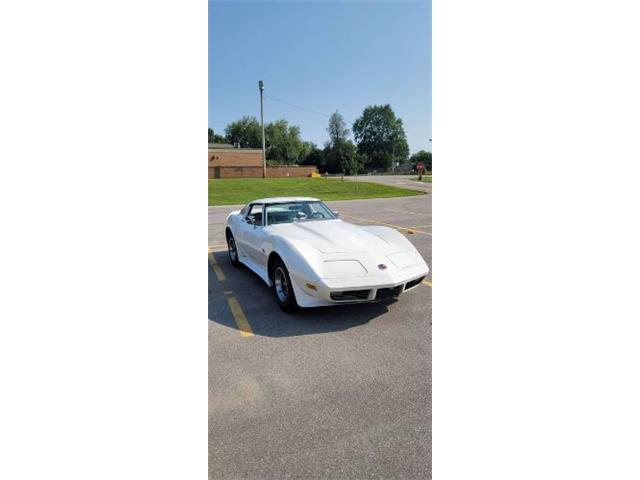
x=310 y=257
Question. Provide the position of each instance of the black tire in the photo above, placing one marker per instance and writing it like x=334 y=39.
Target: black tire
x=232 y=250
x=282 y=287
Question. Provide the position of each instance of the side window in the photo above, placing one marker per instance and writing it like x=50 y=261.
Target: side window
x=256 y=211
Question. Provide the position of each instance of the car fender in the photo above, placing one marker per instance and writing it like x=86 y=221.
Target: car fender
x=232 y=219
x=395 y=238
x=300 y=259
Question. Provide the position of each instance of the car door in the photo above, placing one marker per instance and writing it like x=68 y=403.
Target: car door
x=252 y=236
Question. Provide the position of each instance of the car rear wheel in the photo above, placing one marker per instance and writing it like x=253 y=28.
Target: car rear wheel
x=282 y=288
x=233 y=250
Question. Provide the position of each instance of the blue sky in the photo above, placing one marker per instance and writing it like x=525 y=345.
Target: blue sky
x=323 y=56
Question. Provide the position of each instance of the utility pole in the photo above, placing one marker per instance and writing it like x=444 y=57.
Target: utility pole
x=264 y=150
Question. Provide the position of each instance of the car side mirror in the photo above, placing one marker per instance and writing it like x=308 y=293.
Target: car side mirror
x=336 y=213
x=251 y=219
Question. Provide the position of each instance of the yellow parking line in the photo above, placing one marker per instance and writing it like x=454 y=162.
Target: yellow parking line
x=238 y=315
x=421 y=214
x=427 y=283
x=214 y=266
x=411 y=230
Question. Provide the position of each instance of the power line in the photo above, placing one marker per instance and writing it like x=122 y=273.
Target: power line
x=347 y=121
x=297 y=106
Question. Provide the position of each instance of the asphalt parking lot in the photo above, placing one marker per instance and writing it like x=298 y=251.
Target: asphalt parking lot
x=330 y=393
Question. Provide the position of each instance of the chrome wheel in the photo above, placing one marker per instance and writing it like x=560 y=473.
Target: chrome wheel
x=282 y=287
x=233 y=252
x=285 y=294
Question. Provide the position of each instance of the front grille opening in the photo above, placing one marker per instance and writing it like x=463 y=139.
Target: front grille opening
x=350 y=295
x=383 y=293
x=413 y=283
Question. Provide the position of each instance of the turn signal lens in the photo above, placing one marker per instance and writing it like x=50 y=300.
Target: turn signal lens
x=311 y=286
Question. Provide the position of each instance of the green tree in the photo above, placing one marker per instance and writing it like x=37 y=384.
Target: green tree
x=313 y=155
x=283 y=143
x=380 y=137
x=316 y=158
x=337 y=129
x=246 y=131
x=349 y=159
x=214 y=138
x=340 y=154
x=421 y=156
x=342 y=157
x=308 y=148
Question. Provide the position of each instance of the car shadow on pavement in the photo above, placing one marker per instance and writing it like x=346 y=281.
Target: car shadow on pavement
x=262 y=313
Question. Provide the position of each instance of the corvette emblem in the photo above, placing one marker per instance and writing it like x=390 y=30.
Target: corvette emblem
x=382 y=266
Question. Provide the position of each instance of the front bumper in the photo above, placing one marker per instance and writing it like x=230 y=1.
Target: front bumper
x=369 y=288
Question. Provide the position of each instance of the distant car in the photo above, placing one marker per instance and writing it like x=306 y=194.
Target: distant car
x=311 y=258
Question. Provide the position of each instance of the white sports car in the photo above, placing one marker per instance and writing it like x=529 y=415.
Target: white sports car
x=311 y=258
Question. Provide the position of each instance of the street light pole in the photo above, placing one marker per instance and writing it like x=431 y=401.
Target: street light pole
x=264 y=151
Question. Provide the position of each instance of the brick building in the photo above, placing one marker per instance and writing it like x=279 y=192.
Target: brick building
x=225 y=161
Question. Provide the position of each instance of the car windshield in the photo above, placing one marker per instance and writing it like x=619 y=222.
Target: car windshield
x=297 y=212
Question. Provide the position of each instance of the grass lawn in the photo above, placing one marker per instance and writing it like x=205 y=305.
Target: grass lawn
x=242 y=190
x=424 y=179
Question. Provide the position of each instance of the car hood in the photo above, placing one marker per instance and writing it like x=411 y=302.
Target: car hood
x=334 y=236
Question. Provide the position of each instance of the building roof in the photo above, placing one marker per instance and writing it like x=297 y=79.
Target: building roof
x=223 y=147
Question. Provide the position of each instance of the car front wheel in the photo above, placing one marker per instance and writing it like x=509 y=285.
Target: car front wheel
x=282 y=288
x=233 y=250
